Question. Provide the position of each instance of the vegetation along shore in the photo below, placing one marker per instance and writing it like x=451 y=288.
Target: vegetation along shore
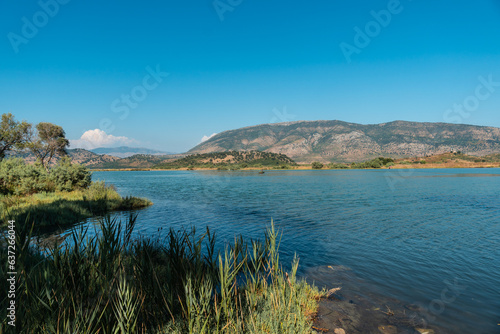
x=111 y=283
x=50 y=195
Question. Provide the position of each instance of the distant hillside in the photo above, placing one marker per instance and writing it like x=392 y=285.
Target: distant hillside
x=137 y=161
x=337 y=141
x=125 y=151
x=104 y=161
x=231 y=159
x=77 y=155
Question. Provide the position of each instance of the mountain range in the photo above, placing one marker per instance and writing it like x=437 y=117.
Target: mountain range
x=337 y=141
x=106 y=161
x=77 y=155
x=307 y=141
x=125 y=151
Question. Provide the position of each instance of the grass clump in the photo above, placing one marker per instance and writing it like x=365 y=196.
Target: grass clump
x=111 y=283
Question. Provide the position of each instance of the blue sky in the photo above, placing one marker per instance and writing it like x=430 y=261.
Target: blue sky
x=236 y=63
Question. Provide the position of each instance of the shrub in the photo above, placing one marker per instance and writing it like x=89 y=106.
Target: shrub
x=385 y=161
x=18 y=178
x=317 y=165
x=337 y=166
x=68 y=177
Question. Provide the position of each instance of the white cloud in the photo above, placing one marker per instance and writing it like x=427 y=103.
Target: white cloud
x=98 y=138
x=205 y=138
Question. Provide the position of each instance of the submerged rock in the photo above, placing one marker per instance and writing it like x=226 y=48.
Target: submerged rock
x=387 y=329
x=354 y=307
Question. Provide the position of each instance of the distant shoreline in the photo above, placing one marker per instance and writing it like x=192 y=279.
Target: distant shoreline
x=304 y=167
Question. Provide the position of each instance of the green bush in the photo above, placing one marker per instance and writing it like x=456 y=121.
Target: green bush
x=20 y=178
x=317 y=165
x=374 y=163
x=337 y=166
x=68 y=177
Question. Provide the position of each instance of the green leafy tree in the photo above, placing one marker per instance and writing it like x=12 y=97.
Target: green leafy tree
x=47 y=141
x=317 y=165
x=12 y=134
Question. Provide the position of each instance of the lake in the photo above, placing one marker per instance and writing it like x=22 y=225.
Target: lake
x=423 y=237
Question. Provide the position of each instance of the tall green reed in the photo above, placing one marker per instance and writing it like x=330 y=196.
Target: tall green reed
x=112 y=282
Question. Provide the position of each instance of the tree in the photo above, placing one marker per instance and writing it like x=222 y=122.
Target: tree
x=12 y=134
x=48 y=140
x=317 y=165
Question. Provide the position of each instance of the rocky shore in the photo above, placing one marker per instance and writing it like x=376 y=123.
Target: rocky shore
x=353 y=308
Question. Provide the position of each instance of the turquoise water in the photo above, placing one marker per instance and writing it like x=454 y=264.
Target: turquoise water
x=425 y=237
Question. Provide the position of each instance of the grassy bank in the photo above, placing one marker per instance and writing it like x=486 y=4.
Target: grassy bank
x=65 y=208
x=176 y=284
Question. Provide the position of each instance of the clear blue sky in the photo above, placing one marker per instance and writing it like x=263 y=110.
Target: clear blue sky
x=266 y=61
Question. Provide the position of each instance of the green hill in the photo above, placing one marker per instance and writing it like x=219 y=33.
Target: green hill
x=230 y=160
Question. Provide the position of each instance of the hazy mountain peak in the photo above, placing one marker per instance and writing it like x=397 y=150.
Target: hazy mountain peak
x=126 y=151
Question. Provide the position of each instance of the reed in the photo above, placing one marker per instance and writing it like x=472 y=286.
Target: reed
x=114 y=283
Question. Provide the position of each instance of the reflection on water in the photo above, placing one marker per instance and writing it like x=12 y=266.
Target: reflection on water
x=416 y=241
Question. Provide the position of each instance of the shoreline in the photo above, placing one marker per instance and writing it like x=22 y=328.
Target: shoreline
x=413 y=166
x=356 y=306
x=63 y=209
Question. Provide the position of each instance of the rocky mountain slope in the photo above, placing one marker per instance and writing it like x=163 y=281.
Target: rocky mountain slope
x=138 y=161
x=77 y=155
x=125 y=151
x=337 y=141
x=94 y=160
